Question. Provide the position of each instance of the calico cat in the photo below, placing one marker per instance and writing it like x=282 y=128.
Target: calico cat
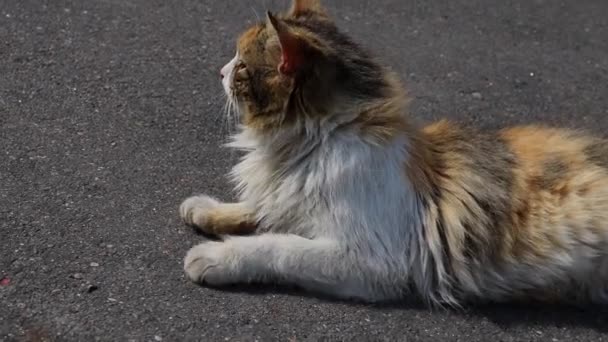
x=342 y=194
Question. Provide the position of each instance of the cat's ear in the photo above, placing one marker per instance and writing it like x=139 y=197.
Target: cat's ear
x=301 y=7
x=293 y=48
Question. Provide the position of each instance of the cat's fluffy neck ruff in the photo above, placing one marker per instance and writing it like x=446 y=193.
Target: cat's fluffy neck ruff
x=374 y=120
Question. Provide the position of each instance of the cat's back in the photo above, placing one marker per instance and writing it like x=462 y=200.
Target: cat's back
x=535 y=169
x=529 y=203
x=561 y=181
x=561 y=167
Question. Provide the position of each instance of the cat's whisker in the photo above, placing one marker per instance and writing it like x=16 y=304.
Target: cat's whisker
x=230 y=115
x=229 y=118
x=226 y=128
x=257 y=16
x=237 y=113
x=221 y=94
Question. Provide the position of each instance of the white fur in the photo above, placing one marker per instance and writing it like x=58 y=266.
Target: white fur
x=339 y=217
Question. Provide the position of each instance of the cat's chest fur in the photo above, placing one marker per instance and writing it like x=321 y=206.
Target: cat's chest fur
x=317 y=185
x=288 y=192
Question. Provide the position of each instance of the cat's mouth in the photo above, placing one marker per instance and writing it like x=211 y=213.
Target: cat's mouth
x=227 y=74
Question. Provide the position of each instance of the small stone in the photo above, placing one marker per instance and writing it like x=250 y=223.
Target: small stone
x=113 y=300
x=477 y=95
x=94 y=264
x=77 y=275
x=92 y=288
x=157 y=338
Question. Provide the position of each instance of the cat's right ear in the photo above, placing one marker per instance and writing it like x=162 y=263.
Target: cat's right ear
x=293 y=48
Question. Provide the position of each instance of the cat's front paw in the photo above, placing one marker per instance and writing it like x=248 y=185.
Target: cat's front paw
x=195 y=211
x=210 y=263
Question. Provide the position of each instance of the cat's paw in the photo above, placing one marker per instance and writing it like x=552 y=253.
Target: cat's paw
x=195 y=210
x=209 y=263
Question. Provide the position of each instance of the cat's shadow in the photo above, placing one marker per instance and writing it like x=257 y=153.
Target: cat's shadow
x=503 y=315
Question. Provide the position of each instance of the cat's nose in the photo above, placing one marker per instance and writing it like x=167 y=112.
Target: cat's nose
x=222 y=74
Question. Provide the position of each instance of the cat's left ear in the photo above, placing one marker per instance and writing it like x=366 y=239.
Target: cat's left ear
x=293 y=48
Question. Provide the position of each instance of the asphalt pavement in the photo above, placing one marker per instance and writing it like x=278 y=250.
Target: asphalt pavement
x=110 y=115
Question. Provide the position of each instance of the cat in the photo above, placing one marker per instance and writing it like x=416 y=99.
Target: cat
x=343 y=195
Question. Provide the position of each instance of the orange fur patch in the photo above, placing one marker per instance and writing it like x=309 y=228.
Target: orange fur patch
x=229 y=218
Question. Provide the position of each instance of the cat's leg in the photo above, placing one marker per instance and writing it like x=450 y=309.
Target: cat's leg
x=319 y=265
x=214 y=217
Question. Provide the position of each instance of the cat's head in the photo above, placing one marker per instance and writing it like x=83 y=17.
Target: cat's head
x=297 y=66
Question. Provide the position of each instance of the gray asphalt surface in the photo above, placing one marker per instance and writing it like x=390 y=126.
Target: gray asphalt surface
x=110 y=115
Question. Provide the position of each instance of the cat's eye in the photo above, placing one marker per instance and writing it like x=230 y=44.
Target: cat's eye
x=241 y=72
